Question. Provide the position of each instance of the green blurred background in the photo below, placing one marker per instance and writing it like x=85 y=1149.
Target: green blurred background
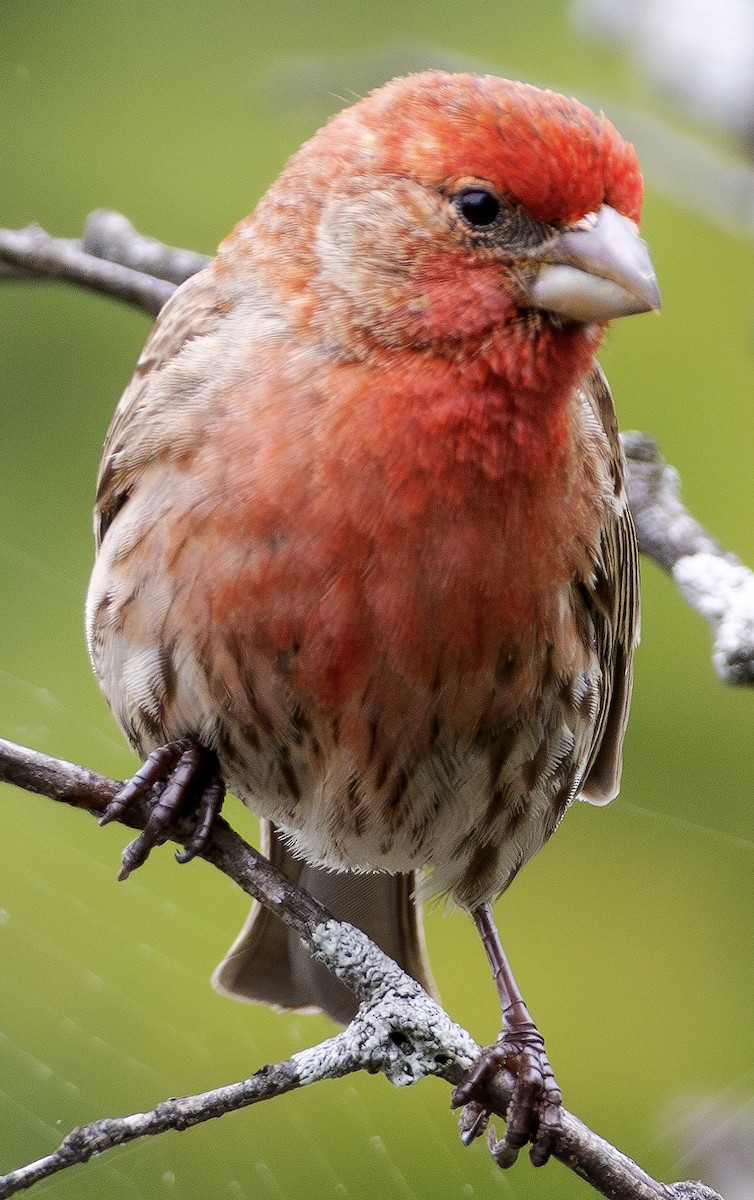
x=631 y=933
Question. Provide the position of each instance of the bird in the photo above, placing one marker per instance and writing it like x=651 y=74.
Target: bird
x=364 y=553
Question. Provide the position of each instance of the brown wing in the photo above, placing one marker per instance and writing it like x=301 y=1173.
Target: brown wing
x=158 y=411
x=611 y=597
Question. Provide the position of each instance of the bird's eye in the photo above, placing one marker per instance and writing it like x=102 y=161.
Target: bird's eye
x=478 y=206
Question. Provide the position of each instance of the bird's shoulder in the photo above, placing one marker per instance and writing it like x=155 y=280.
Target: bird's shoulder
x=197 y=353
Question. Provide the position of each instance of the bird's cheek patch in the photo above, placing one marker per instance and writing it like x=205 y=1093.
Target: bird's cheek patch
x=462 y=301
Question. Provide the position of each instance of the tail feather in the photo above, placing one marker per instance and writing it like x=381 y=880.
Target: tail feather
x=267 y=964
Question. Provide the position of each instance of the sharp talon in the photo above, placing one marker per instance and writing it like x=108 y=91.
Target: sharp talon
x=177 y=774
x=134 y=855
x=210 y=805
x=472 y=1122
x=534 y=1110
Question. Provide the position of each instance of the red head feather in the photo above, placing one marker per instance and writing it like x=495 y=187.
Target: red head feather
x=553 y=156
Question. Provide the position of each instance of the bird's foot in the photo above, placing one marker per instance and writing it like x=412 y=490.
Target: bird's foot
x=534 y=1110
x=180 y=775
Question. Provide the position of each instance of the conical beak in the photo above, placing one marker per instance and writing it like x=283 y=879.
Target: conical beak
x=598 y=270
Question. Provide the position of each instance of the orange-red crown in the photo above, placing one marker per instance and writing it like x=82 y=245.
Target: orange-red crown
x=550 y=154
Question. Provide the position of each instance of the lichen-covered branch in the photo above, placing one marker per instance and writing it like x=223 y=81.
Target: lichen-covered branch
x=711 y=579
x=365 y=1044
x=86 y=1141
x=116 y=260
x=398 y=1030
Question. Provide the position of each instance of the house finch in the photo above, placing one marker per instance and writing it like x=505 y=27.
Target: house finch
x=364 y=552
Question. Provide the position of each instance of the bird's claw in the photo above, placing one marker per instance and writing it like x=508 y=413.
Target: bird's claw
x=535 y=1106
x=178 y=774
x=472 y=1121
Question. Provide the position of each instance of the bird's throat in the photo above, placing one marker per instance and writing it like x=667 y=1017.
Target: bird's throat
x=494 y=430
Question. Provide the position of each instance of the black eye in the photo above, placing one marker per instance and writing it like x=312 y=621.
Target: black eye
x=478 y=206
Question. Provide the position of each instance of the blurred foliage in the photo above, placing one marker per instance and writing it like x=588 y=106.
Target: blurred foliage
x=631 y=932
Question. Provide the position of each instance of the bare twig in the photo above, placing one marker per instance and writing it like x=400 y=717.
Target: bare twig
x=111 y=236
x=85 y=1141
x=398 y=1030
x=31 y=254
x=151 y=270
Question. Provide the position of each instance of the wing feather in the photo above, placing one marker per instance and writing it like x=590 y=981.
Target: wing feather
x=611 y=597
x=162 y=408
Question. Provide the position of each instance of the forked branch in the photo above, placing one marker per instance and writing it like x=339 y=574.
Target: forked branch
x=399 y=1030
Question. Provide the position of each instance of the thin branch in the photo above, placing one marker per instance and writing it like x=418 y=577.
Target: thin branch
x=711 y=579
x=114 y=259
x=371 y=1042
x=398 y=1030
x=111 y=236
x=151 y=270
x=86 y=1141
x=31 y=254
